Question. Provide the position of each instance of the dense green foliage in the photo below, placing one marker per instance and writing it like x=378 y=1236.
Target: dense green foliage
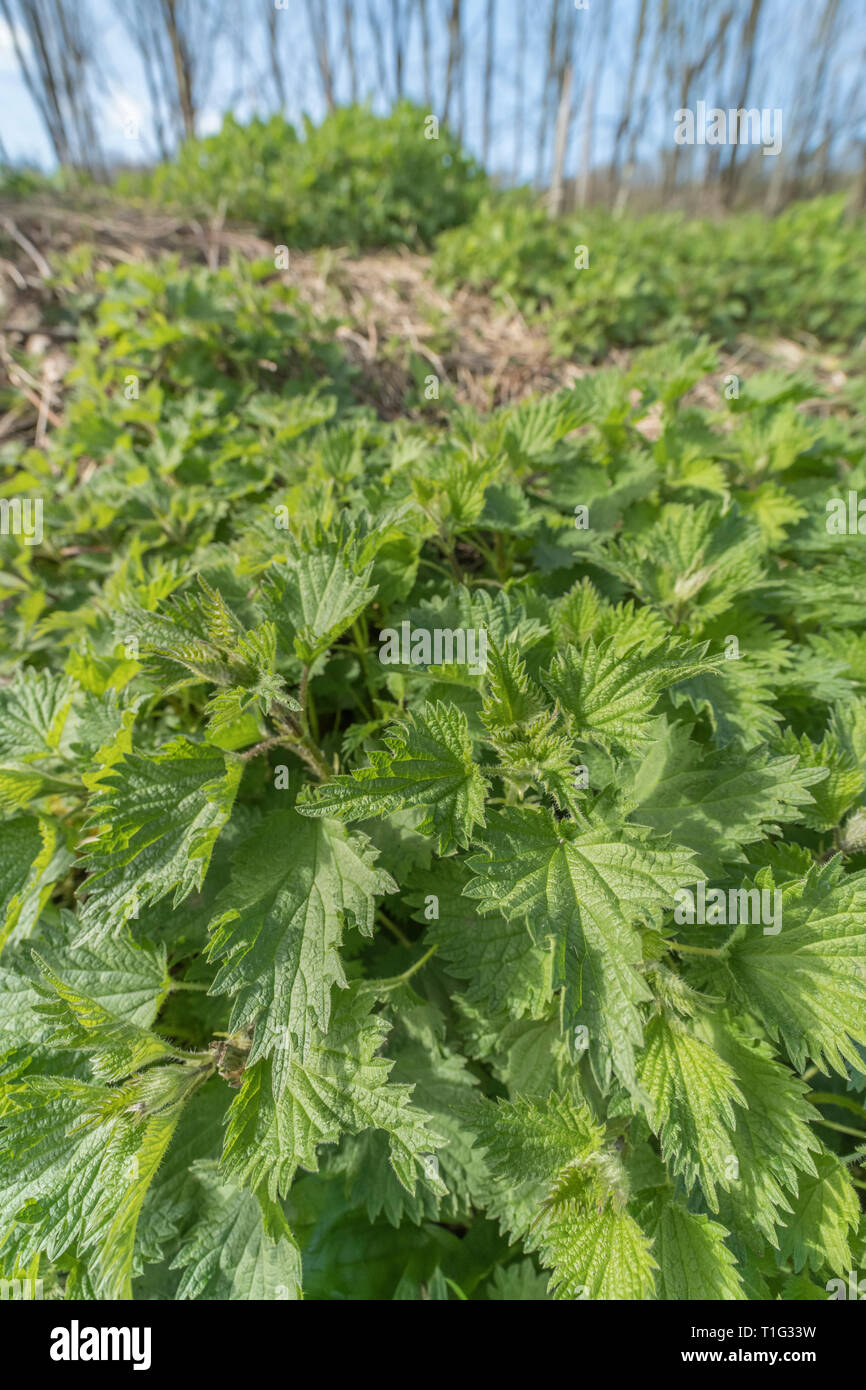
x=356 y=180
x=645 y=277
x=360 y=979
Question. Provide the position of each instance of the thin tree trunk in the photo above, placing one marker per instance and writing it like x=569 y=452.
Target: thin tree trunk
x=560 y=144
x=519 y=86
x=453 y=56
x=376 y=30
x=549 y=80
x=488 y=80
x=349 y=41
x=748 y=43
x=592 y=106
x=180 y=57
x=274 y=57
x=321 y=43
x=775 y=187
x=629 y=103
x=425 y=53
x=398 y=39
x=586 y=153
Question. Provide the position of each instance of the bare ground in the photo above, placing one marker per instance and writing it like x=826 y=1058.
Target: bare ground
x=389 y=305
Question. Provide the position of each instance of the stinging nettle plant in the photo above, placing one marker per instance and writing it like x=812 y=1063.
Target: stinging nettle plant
x=332 y=976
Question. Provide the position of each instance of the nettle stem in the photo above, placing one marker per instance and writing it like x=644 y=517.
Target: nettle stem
x=694 y=950
x=295 y=735
x=392 y=928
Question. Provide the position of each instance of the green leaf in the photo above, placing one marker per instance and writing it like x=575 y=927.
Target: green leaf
x=605 y=1256
x=317 y=592
x=558 y=1188
x=584 y=888
x=843 y=778
x=808 y=983
x=773 y=1143
x=278 y=925
x=710 y=801
x=608 y=696
x=32 y=858
x=825 y=1215
x=429 y=764
x=511 y=697
x=118 y=1044
x=693 y=1259
x=341 y=1087
x=692 y=1093
x=443 y=1086
x=33 y=714
x=495 y=955
x=158 y=820
x=240 y=1247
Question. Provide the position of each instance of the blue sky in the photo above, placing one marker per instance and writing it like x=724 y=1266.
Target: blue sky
x=240 y=82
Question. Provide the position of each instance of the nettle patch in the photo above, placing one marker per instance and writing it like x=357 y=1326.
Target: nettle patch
x=338 y=960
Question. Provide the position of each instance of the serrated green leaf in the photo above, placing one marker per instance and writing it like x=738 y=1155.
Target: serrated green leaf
x=429 y=764
x=277 y=927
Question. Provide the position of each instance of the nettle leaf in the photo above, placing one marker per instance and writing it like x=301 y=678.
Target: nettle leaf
x=278 y=926
x=443 y=1087
x=608 y=697
x=429 y=764
x=511 y=697
x=692 y=1093
x=317 y=592
x=557 y=1188
x=807 y=983
x=119 y=1045
x=158 y=818
x=518 y=1282
x=737 y=699
x=710 y=801
x=341 y=1087
x=694 y=560
x=693 y=1260
x=129 y=981
x=538 y=756
x=240 y=1246
x=496 y=955
x=33 y=714
x=823 y=1221
x=199 y=637
x=584 y=888
x=842 y=778
x=32 y=858
x=76 y=1161
x=773 y=1144
x=600 y=1256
